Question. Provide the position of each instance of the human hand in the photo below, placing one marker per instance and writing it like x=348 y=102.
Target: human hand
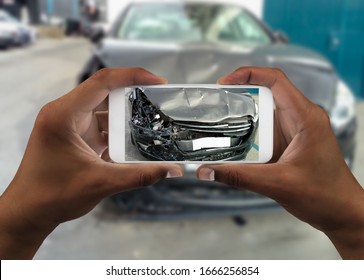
x=62 y=175
x=308 y=175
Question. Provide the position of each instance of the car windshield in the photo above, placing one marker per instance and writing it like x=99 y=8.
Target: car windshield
x=179 y=22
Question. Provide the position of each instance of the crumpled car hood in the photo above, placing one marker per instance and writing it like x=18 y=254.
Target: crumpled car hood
x=205 y=63
x=200 y=104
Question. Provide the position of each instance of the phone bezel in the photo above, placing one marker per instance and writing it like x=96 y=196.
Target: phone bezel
x=117 y=123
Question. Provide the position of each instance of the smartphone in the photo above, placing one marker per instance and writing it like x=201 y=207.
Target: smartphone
x=191 y=124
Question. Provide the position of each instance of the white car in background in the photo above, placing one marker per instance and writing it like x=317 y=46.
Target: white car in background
x=15 y=33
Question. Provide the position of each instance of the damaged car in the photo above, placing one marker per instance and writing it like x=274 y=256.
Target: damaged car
x=197 y=42
x=192 y=124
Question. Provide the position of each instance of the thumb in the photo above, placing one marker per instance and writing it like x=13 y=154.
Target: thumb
x=123 y=177
x=261 y=178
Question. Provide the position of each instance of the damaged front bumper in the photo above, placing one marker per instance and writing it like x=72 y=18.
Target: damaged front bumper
x=187 y=197
x=225 y=135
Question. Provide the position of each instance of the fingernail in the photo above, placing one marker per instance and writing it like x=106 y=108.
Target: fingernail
x=206 y=174
x=219 y=81
x=173 y=173
x=165 y=81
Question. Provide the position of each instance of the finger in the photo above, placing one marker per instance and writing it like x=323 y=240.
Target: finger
x=122 y=177
x=280 y=141
x=91 y=93
x=98 y=144
x=106 y=156
x=104 y=105
x=286 y=95
x=103 y=120
x=265 y=179
x=94 y=138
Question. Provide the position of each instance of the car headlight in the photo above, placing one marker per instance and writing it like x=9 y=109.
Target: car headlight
x=344 y=109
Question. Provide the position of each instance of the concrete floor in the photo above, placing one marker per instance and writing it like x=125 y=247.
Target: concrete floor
x=31 y=77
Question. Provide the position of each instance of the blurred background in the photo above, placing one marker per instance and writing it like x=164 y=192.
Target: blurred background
x=47 y=47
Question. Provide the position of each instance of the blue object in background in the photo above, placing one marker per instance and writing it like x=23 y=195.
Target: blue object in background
x=335 y=28
x=50 y=7
x=75 y=8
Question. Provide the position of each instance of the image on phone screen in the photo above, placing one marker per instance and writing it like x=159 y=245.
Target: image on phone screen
x=191 y=124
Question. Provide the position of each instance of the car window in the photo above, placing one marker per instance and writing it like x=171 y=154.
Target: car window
x=235 y=25
x=191 y=23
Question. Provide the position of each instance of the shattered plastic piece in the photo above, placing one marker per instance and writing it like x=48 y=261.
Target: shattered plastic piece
x=206 y=124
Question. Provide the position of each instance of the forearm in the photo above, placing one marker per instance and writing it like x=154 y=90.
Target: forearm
x=19 y=247
x=349 y=243
x=19 y=239
x=349 y=237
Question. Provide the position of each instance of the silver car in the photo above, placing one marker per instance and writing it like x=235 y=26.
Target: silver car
x=198 y=42
x=13 y=32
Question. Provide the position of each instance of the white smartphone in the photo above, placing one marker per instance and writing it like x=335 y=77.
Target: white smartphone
x=191 y=124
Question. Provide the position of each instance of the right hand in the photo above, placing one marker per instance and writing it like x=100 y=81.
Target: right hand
x=308 y=175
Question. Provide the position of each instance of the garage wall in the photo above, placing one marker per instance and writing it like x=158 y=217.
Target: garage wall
x=335 y=28
x=64 y=8
x=67 y=9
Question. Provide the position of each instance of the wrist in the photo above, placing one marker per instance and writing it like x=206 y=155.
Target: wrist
x=347 y=235
x=20 y=238
x=348 y=238
x=349 y=243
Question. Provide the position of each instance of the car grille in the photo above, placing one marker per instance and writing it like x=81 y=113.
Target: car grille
x=233 y=127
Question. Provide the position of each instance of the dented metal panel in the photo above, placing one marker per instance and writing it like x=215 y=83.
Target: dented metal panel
x=201 y=104
x=192 y=124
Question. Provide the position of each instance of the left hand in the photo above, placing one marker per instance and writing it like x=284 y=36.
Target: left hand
x=62 y=175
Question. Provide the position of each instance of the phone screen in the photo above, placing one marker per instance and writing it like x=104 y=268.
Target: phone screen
x=195 y=124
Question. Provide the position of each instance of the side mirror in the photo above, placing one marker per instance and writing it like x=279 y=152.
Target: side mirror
x=281 y=37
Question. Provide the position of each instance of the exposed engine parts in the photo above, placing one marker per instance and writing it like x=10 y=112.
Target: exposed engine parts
x=160 y=137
